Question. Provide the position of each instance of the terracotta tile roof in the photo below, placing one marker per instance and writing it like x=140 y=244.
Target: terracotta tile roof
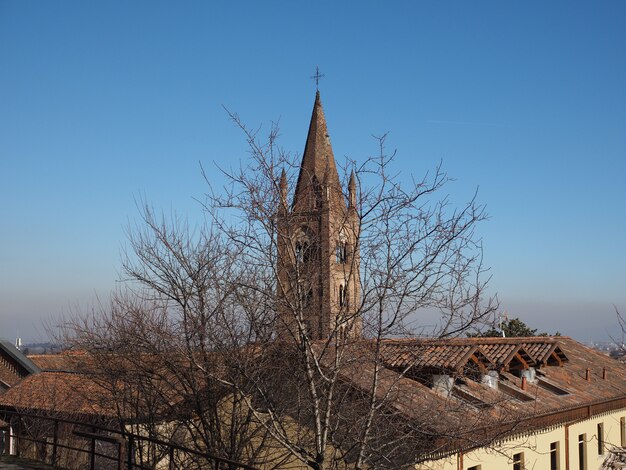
x=58 y=392
x=66 y=361
x=454 y=353
x=102 y=384
x=561 y=384
x=473 y=405
x=538 y=350
x=407 y=354
x=498 y=353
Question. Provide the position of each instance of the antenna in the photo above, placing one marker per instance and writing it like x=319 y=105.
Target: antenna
x=506 y=318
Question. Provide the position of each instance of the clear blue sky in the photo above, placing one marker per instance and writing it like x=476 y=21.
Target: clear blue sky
x=103 y=103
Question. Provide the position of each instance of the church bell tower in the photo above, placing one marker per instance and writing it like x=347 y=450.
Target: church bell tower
x=318 y=285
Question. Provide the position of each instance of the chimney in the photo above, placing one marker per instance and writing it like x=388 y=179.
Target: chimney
x=604 y=373
x=588 y=375
x=524 y=383
x=530 y=374
x=443 y=384
x=18 y=343
x=490 y=379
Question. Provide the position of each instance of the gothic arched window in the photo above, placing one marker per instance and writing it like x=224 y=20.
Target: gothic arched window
x=302 y=247
x=341 y=253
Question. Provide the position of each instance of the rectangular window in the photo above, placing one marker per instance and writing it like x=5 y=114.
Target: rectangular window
x=622 y=431
x=582 y=452
x=475 y=467
x=554 y=456
x=518 y=461
x=600 y=438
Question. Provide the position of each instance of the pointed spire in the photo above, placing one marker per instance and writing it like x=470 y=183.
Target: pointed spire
x=352 y=190
x=352 y=182
x=318 y=155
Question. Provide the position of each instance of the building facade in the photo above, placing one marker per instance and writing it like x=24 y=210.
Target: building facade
x=583 y=444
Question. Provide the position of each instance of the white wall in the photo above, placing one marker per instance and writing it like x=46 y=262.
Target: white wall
x=536 y=448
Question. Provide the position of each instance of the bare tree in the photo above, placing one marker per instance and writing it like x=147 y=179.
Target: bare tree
x=156 y=347
x=212 y=330
x=416 y=252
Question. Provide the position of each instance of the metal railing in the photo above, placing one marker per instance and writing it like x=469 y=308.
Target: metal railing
x=103 y=447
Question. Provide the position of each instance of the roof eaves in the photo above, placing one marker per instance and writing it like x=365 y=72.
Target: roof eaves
x=18 y=356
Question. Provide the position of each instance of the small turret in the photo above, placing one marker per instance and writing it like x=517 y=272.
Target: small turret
x=283 y=190
x=352 y=191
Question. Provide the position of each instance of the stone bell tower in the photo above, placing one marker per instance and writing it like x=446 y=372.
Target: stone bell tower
x=318 y=291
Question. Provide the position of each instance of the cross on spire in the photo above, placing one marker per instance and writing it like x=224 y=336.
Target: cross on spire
x=317 y=77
